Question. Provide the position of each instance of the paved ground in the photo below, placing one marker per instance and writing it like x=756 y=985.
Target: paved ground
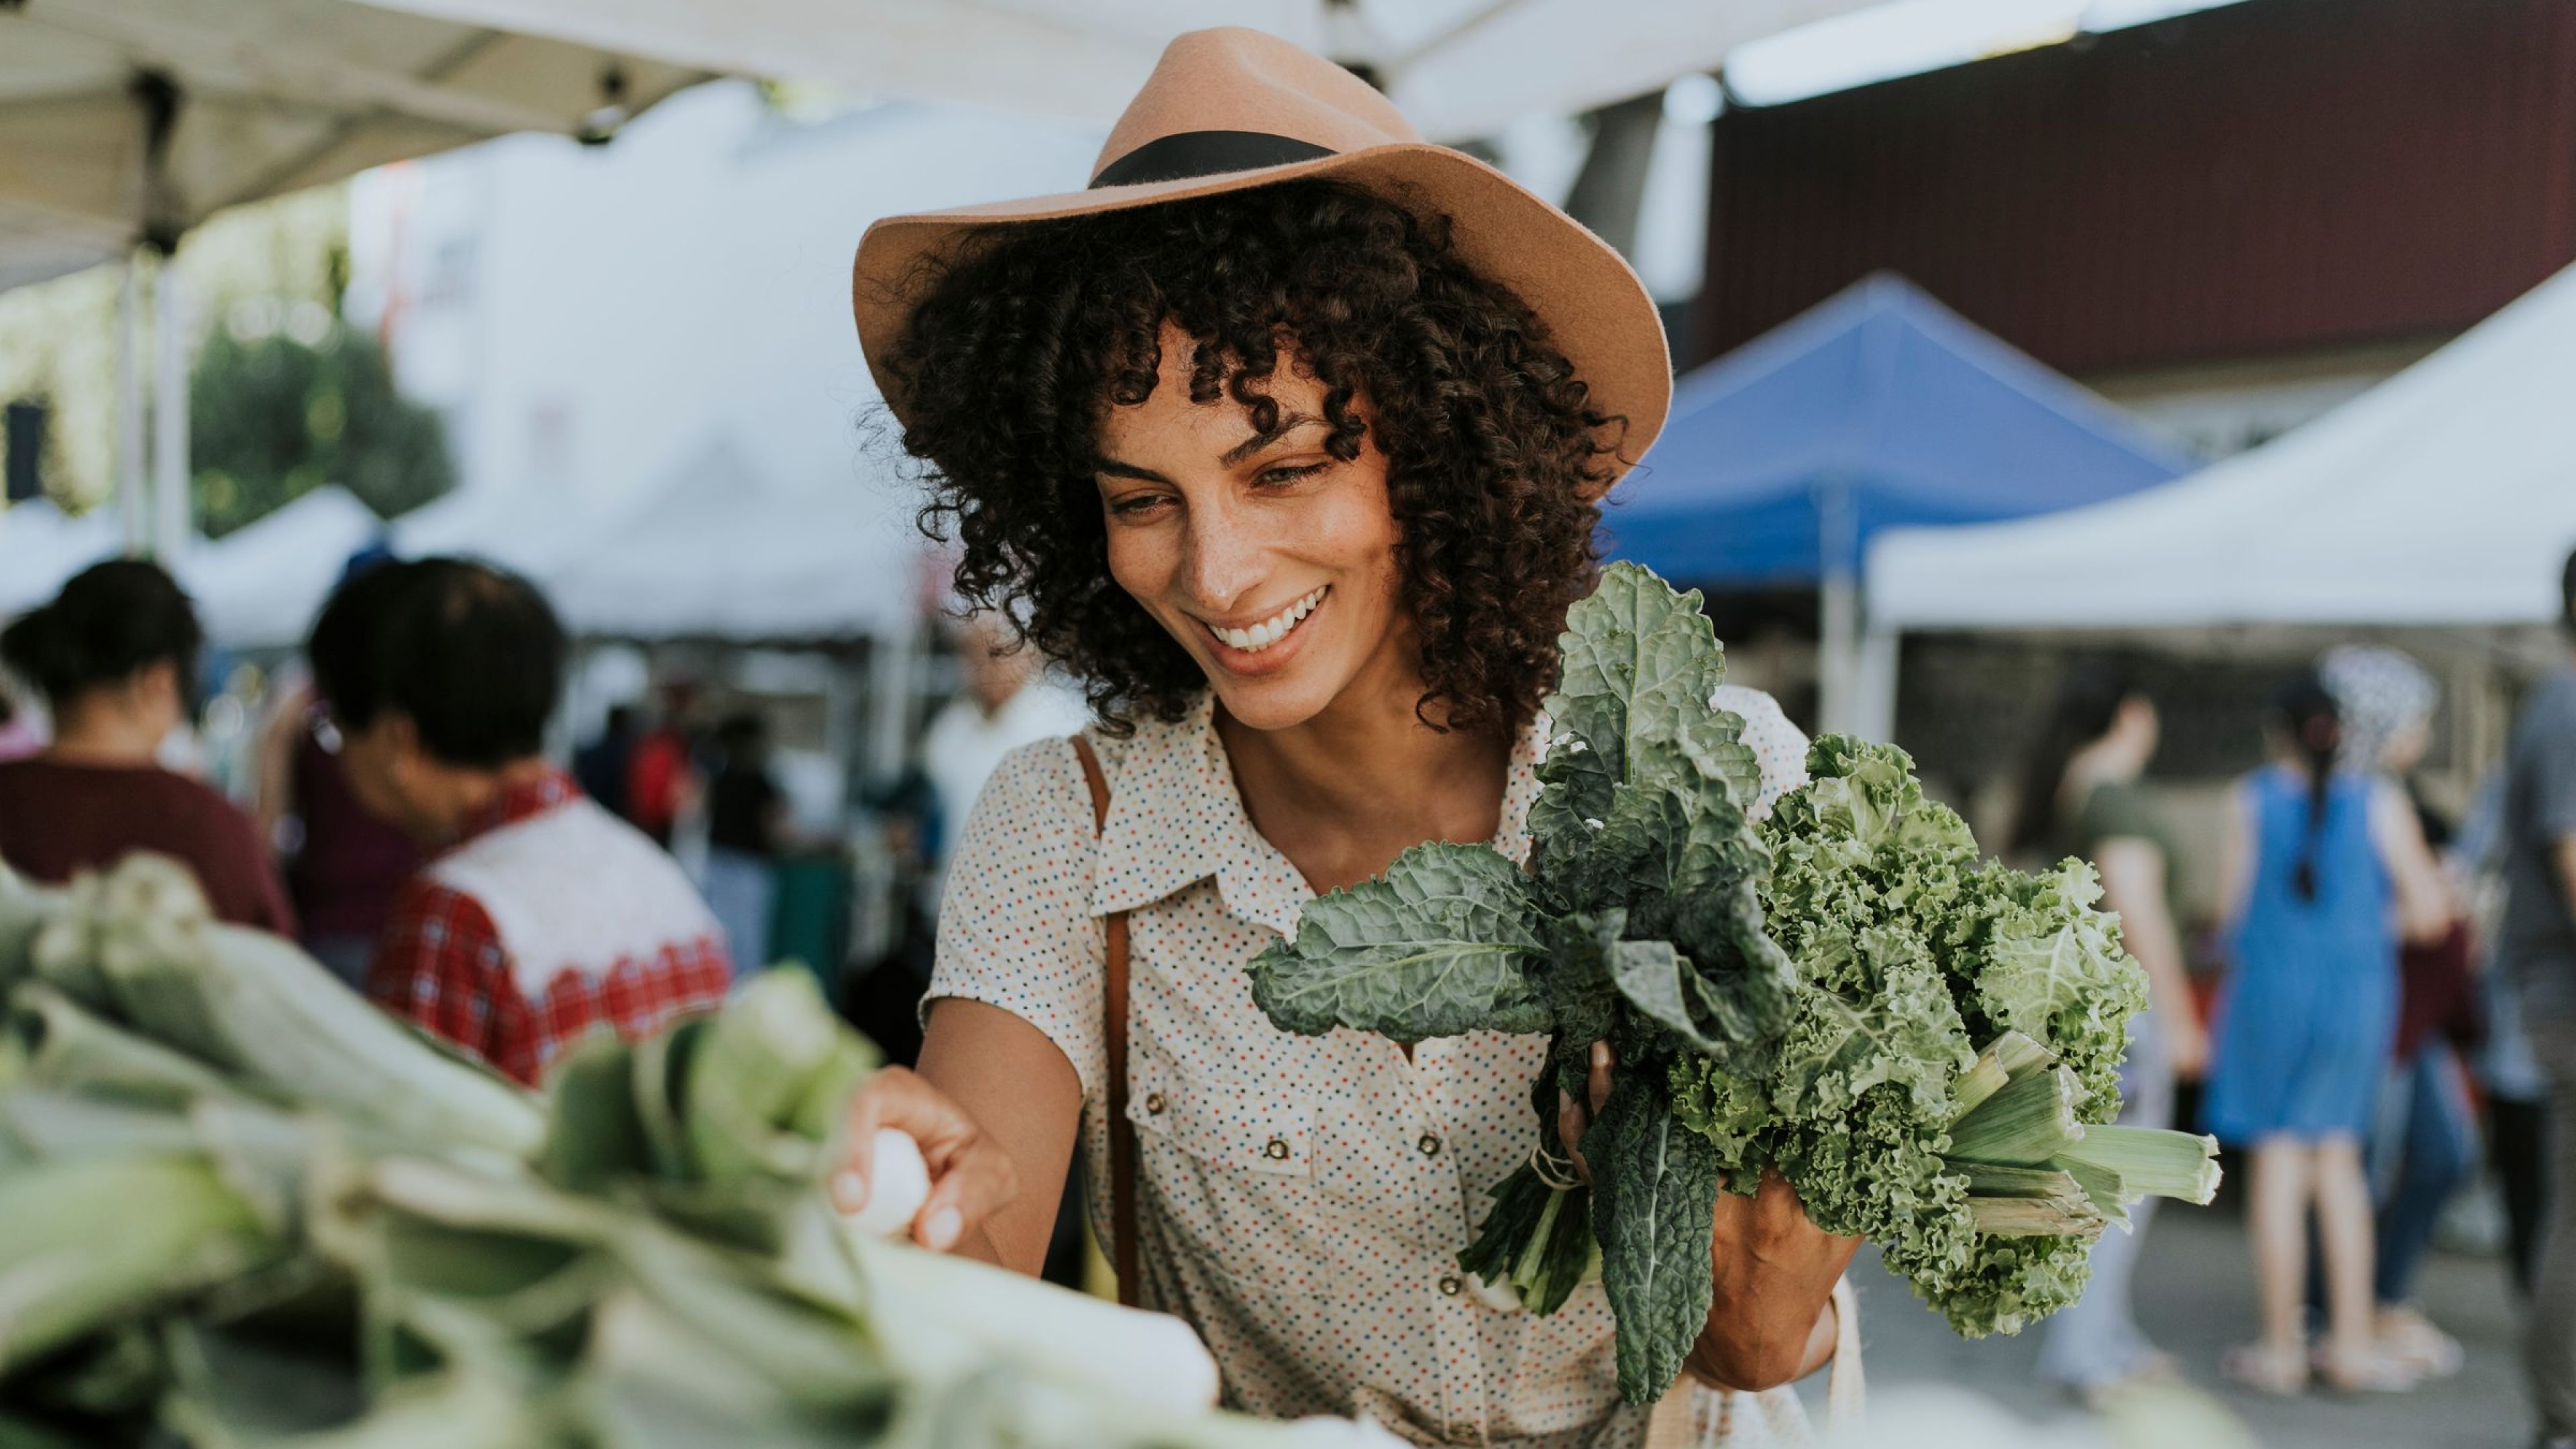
x=2194 y=1298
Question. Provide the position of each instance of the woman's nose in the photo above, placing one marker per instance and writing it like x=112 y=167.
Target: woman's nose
x=1224 y=561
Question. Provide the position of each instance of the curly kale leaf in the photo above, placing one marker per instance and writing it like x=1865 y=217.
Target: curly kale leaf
x=2051 y=967
x=1445 y=942
x=1654 y=1206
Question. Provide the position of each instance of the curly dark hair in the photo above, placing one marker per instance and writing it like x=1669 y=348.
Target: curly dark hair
x=1025 y=336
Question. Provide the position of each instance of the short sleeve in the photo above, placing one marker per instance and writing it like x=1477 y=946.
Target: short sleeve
x=1779 y=747
x=2113 y=812
x=1015 y=923
x=2553 y=771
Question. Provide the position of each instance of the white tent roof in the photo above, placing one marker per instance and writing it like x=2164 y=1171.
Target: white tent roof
x=254 y=98
x=41 y=547
x=2446 y=495
x=718 y=552
x=1459 y=68
x=260 y=586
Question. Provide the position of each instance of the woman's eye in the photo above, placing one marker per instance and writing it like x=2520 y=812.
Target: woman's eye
x=1276 y=477
x=1138 y=506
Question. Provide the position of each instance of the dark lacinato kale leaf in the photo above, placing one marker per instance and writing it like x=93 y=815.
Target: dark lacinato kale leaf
x=1654 y=1201
x=1445 y=942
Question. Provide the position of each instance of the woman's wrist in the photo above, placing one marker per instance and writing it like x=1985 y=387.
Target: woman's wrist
x=1722 y=1359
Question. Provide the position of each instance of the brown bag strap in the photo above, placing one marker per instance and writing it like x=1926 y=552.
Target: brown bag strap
x=1122 y=1133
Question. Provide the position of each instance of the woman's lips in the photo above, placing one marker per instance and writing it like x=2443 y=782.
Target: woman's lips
x=1275 y=656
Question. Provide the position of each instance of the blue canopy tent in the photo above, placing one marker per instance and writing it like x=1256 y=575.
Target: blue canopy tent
x=1877 y=408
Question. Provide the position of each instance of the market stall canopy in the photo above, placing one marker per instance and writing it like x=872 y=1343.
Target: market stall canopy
x=124 y=121
x=2446 y=495
x=41 y=546
x=1459 y=68
x=1877 y=408
x=260 y=586
x=722 y=553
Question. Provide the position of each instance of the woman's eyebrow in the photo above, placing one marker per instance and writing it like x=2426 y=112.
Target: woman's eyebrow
x=1288 y=423
x=1116 y=469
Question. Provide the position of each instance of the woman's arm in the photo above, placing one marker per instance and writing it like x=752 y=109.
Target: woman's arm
x=2425 y=904
x=2133 y=885
x=2236 y=858
x=995 y=1107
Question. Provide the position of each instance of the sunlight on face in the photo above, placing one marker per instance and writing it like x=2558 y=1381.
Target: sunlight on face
x=1269 y=559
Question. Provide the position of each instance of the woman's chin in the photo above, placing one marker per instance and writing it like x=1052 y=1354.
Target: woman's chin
x=1277 y=702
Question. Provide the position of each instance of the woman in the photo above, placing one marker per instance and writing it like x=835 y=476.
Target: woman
x=2324 y=870
x=2082 y=797
x=1285 y=439
x=2424 y=1145
x=114 y=655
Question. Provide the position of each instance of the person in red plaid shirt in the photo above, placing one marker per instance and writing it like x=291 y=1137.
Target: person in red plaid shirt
x=537 y=917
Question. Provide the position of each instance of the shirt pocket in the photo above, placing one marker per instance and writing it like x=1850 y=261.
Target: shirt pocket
x=1232 y=1126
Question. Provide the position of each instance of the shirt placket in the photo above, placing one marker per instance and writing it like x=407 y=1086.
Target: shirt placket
x=1460 y=1353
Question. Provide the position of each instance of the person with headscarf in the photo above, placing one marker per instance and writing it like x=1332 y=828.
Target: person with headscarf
x=2324 y=868
x=2425 y=1143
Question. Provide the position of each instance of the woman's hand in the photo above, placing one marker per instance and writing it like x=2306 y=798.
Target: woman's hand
x=971 y=1177
x=1771 y=1319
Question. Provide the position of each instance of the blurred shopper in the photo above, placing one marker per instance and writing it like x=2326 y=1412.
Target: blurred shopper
x=1008 y=702
x=746 y=816
x=2538 y=951
x=2424 y=1145
x=18 y=737
x=343 y=865
x=115 y=656
x=661 y=770
x=2319 y=863
x=602 y=766
x=538 y=916
x=2082 y=797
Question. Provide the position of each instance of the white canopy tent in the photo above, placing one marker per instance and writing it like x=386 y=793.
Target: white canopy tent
x=1459 y=68
x=718 y=552
x=123 y=121
x=260 y=586
x=2444 y=496
x=41 y=546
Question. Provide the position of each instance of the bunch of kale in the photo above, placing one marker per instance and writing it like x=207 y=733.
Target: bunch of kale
x=1811 y=994
x=1638 y=923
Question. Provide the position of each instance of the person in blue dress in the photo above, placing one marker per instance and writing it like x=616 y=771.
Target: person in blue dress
x=2324 y=870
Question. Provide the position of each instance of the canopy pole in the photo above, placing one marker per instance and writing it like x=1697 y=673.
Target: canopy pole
x=131 y=505
x=170 y=510
x=1874 y=710
x=1838 y=644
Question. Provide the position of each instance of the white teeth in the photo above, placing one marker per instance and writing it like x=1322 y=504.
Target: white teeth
x=1271 y=630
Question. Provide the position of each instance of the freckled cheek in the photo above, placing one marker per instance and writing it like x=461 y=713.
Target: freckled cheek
x=1146 y=564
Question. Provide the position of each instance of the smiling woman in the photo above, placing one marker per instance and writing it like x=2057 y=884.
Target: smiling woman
x=1287 y=437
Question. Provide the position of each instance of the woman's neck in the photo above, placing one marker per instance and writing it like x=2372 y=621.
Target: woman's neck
x=1344 y=793
x=91 y=731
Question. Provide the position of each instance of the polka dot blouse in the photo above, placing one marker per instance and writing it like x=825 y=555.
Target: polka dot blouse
x=1301 y=1200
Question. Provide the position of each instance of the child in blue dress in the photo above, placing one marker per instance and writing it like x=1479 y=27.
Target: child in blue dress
x=2324 y=870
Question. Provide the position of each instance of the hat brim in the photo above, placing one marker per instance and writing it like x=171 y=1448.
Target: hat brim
x=1595 y=309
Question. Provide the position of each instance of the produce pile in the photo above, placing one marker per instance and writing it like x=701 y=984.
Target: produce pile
x=242 y=1209
x=1809 y=993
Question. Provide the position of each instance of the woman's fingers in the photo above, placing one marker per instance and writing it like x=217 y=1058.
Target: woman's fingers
x=1571 y=1121
x=971 y=1177
x=1604 y=1062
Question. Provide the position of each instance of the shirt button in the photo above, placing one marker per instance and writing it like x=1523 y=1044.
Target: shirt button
x=1277 y=1151
x=1452 y=1285
x=1155 y=1104
x=1429 y=1144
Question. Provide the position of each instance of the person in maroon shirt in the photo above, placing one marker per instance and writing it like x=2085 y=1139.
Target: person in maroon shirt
x=113 y=656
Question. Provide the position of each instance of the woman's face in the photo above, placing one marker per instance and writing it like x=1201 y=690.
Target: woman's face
x=1269 y=559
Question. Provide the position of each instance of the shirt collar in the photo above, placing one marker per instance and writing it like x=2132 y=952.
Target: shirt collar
x=517 y=801
x=1176 y=818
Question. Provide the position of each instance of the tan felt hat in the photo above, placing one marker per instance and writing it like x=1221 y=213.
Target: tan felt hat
x=1230 y=108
